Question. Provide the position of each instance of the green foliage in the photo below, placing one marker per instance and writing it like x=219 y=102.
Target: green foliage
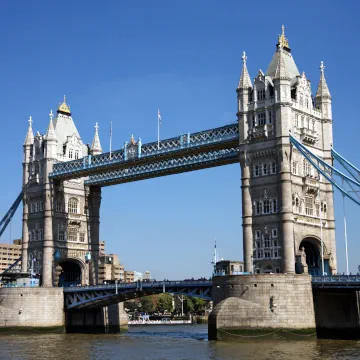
x=188 y=305
x=165 y=303
x=147 y=304
x=131 y=305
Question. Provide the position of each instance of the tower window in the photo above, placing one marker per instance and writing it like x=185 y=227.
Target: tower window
x=258 y=208
x=297 y=120
x=273 y=168
x=274 y=233
x=70 y=154
x=274 y=205
x=73 y=206
x=306 y=168
x=256 y=170
x=257 y=234
x=253 y=120
x=82 y=237
x=76 y=154
x=265 y=169
x=309 y=206
x=267 y=242
x=270 y=116
x=294 y=167
x=72 y=234
x=266 y=207
x=262 y=118
x=261 y=94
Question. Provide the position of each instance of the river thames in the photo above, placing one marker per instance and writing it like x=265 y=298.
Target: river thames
x=183 y=342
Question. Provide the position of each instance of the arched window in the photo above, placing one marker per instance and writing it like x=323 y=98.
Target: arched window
x=306 y=168
x=73 y=206
x=266 y=206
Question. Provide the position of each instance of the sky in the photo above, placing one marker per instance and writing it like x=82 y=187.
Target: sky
x=120 y=61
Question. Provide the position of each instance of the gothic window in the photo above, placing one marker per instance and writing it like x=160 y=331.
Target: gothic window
x=30 y=236
x=257 y=234
x=323 y=208
x=265 y=169
x=36 y=235
x=59 y=206
x=82 y=237
x=297 y=120
x=297 y=205
x=41 y=234
x=37 y=206
x=313 y=125
x=274 y=205
x=274 y=233
x=307 y=102
x=36 y=168
x=70 y=154
x=302 y=121
x=308 y=123
x=72 y=234
x=262 y=118
x=270 y=116
x=256 y=170
x=317 y=209
x=267 y=254
x=61 y=236
x=267 y=242
x=306 y=168
x=309 y=206
x=33 y=207
x=266 y=207
x=273 y=168
x=276 y=254
x=42 y=206
x=294 y=167
x=76 y=154
x=73 y=206
x=253 y=120
x=258 y=208
x=261 y=94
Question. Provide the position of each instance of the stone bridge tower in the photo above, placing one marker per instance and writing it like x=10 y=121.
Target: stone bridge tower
x=287 y=206
x=60 y=219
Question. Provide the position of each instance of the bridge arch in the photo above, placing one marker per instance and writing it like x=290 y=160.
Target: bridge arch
x=310 y=256
x=70 y=272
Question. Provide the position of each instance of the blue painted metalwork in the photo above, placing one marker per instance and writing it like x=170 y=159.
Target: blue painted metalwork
x=8 y=216
x=336 y=281
x=102 y=295
x=328 y=171
x=346 y=164
x=166 y=167
x=218 y=138
x=13 y=267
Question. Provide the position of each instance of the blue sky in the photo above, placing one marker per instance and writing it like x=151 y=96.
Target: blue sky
x=121 y=61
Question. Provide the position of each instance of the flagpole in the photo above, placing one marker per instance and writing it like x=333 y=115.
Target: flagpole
x=158 y=131
x=110 y=137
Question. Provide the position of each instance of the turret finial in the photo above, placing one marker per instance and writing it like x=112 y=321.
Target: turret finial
x=244 y=57
x=64 y=108
x=96 y=127
x=282 y=40
x=322 y=66
x=30 y=121
x=51 y=115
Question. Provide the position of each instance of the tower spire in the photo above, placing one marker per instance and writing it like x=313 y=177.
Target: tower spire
x=281 y=71
x=282 y=39
x=29 y=139
x=322 y=90
x=50 y=133
x=95 y=145
x=245 y=81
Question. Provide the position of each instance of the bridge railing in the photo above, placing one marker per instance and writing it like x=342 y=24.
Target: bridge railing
x=336 y=279
x=152 y=284
x=186 y=141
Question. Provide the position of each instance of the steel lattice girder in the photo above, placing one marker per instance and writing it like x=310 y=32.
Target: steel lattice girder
x=99 y=296
x=218 y=138
x=167 y=167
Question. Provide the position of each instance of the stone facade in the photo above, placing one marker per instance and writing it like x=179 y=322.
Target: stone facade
x=283 y=196
x=261 y=303
x=32 y=307
x=60 y=219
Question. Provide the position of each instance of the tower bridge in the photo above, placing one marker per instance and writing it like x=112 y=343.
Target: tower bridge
x=283 y=143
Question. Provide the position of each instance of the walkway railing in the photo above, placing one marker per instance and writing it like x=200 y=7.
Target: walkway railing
x=88 y=164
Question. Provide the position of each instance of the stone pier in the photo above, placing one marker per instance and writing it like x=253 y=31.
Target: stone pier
x=264 y=305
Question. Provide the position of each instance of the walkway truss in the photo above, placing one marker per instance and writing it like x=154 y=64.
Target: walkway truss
x=104 y=295
x=347 y=181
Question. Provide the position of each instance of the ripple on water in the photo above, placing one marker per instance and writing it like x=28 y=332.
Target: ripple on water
x=166 y=343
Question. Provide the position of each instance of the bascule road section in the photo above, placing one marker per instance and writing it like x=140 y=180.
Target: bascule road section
x=137 y=161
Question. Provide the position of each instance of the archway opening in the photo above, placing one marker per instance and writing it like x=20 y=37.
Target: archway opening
x=70 y=274
x=313 y=258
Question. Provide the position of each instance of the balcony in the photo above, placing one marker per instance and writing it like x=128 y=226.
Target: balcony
x=310 y=184
x=74 y=219
x=259 y=132
x=308 y=136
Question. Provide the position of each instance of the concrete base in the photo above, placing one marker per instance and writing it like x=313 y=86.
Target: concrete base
x=110 y=319
x=38 y=308
x=262 y=306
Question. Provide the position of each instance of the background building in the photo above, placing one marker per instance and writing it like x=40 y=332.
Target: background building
x=229 y=267
x=9 y=253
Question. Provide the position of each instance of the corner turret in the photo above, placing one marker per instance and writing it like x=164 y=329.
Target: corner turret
x=323 y=97
x=95 y=145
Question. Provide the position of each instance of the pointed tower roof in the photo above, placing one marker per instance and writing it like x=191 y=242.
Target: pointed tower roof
x=245 y=81
x=281 y=70
x=29 y=139
x=64 y=108
x=289 y=62
x=95 y=145
x=50 y=133
x=322 y=90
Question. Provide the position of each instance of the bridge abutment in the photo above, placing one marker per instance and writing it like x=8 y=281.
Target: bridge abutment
x=263 y=306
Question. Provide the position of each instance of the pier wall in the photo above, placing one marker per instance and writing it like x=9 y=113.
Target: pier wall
x=32 y=307
x=251 y=305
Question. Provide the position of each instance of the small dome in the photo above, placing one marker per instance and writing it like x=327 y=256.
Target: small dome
x=64 y=108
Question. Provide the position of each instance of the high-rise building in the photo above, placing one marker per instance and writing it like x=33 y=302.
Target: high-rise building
x=9 y=254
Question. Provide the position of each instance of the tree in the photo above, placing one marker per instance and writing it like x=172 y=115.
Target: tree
x=147 y=304
x=131 y=305
x=188 y=305
x=165 y=303
x=199 y=305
